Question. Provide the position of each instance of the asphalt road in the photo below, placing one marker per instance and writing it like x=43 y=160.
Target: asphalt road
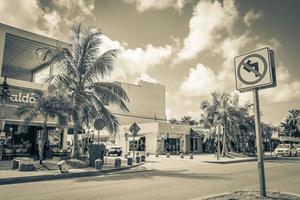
x=170 y=179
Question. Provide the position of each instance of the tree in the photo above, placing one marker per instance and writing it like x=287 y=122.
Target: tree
x=82 y=70
x=46 y=106
x=174 y=121
x=187 y=120
x=220 y=111
x=291 y=123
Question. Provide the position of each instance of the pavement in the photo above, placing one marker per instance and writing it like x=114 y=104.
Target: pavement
x=163 y=178
x=8 y=176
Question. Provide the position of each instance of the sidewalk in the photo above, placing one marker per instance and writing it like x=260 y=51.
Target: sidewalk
x=15 y=176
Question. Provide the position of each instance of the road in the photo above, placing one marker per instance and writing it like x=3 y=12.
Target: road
x=169 y=179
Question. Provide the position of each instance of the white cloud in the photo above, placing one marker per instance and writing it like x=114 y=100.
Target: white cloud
x=52 y=21
x=201 y=81
x=147 y=78
x=143 y=5
x=272 y=43
x=251 y=17
x=20 y=13
x=135 y=63
x=208 y=17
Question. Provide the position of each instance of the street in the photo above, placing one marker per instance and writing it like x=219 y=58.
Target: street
x=168 y=179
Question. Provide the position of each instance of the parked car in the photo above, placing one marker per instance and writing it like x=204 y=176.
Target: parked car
x=297 y=146
x=113 y=149
x=285 y=150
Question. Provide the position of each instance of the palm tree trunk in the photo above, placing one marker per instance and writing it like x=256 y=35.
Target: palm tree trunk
x=44 y=139
x=224 y=140
x=75 y=152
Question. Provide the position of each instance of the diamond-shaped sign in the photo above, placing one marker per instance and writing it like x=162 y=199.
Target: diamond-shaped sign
x=134 y=128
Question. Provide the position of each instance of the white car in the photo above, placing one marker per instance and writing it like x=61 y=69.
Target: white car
x=285 y=150
x=297 y=146
x=113 y=149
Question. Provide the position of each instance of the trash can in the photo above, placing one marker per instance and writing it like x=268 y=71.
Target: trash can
x=181 y=155
x=63 y=167
x=117 y=163
x=129 y=161
x=168 y=155
x=138 y=159
x=148 y=154
x=143 y=158
x=98 y=164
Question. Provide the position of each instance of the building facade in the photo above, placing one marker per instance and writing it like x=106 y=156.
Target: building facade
x=19 y=63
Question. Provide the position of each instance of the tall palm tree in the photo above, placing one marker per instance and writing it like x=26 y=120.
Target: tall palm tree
x=82 y=70
x=291 y=123
x=219 y=111
x=187 y=120
x=46 y=106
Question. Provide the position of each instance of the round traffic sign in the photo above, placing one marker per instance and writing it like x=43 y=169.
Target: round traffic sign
x=99 y=124
x=252 y=69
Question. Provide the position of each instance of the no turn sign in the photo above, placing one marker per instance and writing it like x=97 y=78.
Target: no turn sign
x=255 y=70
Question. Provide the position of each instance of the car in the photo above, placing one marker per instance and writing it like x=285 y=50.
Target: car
x=285 y=150
x=297 y=146
x=113 y=149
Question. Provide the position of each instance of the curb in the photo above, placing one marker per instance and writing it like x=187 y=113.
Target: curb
x=249 y=160
x=207 y=197
x=27 y=179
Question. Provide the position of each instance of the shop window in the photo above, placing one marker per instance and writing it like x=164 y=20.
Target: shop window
x=138 y=145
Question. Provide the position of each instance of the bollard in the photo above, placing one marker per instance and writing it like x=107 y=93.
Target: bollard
x=143 y=158
x=138 y=159
x=117 y=163
x=168 y=155
x=156 y=155
x=191 y=156
x=129 y=161
x=98 y=164
x=147 y=154
x=63 y=167
x=181 y=155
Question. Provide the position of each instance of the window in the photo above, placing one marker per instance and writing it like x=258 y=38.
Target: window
x=41 y=76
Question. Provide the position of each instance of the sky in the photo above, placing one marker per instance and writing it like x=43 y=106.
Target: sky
x=186 y=45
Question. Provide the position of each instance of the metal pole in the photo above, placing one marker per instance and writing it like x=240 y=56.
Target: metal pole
x=133 y=147
x=98 y=136
x=260 y=154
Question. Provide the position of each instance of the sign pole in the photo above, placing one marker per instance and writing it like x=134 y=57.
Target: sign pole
x=260 y=154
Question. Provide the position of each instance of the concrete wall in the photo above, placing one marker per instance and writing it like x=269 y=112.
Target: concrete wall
x=147 y=103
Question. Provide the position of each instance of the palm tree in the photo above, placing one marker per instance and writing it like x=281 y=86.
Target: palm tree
x=187 y=120
x=82 y=70
x=291 y=123
x=47 y=107
x=219 y=111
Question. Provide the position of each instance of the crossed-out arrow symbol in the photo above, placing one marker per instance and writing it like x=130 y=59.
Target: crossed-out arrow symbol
x=252 y=67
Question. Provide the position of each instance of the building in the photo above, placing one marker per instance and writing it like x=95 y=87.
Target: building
x=20 y=65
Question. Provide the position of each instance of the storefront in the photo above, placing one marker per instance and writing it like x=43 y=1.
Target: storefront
x=17 y=143
x=161 y=138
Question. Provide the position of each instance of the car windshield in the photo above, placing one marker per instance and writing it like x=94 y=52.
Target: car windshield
x=284 y=146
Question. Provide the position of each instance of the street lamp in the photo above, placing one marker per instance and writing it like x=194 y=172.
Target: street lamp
x=4 y=96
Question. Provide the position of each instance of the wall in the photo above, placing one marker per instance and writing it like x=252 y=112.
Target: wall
x=147 y=103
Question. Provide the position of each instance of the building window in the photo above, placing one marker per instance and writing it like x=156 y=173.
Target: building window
x=41 y=76
x=139 y=144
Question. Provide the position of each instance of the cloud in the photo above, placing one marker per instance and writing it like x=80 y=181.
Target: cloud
x=251 y=17
x=136 y=63
x=201 y=81
x=143 y=5
x=208 y=17
x=272 y=43
x=53 y=20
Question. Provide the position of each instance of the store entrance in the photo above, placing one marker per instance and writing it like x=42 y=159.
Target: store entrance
x=172 y=145
x=15 y=144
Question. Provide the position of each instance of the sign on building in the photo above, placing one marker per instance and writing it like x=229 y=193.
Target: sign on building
x=255 y=69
